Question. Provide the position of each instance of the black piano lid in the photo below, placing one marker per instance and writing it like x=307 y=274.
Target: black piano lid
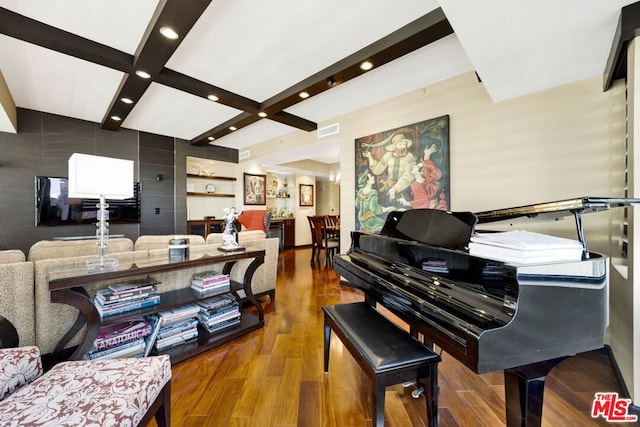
x=553 y=211
x=556 y=210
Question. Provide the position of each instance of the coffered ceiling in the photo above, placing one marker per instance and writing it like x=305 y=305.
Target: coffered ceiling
x=78 y=58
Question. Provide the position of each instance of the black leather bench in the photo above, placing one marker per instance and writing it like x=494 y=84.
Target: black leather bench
x=387 y=354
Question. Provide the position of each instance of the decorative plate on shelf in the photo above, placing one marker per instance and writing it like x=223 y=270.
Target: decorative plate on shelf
x=210 y=188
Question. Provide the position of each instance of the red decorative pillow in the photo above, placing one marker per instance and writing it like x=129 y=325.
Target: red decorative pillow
x=253 y=220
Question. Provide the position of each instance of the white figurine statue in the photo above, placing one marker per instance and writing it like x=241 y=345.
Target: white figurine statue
x=229 y=234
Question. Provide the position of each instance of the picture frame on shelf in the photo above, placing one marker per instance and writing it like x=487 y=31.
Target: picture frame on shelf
x=255 y=191
x=306 y=195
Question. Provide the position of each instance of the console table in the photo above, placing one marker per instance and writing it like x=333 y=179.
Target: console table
x=70 y=287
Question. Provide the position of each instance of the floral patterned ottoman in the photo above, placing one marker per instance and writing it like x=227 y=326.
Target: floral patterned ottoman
x=120 y=392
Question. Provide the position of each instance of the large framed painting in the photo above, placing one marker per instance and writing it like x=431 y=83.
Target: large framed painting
x=255 y=190
x=400 y=169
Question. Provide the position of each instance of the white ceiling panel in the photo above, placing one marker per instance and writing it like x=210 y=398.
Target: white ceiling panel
x=258 y=49
x=166 y=111
x=262 y=130
x=521 y=47
x=42 y=80
x=119 y=24
x=433 y=63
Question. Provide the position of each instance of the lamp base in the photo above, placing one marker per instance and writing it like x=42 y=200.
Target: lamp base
x=101 y=264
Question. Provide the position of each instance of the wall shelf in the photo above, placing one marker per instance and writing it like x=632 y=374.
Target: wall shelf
x=190 y=193
x=213 y=177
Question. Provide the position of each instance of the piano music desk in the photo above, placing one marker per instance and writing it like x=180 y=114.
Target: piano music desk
x=387 y=354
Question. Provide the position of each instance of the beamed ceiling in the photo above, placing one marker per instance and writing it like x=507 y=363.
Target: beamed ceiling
x=79 y=59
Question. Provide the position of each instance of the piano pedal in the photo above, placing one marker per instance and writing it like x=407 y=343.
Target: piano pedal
x=417 y=392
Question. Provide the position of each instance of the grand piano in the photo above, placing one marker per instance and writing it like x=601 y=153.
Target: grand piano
x=489 y=315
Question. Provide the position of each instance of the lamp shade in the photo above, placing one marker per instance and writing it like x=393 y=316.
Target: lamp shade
x=95 y=176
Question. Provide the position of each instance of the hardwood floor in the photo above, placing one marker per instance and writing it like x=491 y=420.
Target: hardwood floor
x=274 y=376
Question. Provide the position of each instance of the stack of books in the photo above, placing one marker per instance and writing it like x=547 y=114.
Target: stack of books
x=120 y=298
x=124 y=339
x=219 y=312
x=177 y=326
x=211 y=282
x=525 y=247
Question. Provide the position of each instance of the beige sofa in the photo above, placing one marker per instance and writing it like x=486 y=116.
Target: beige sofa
x=17 y=294
x=43 y=323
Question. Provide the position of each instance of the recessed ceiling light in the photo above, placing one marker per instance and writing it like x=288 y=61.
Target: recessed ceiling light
x=262 y=114
x=115 y=118
x=212 y=98
x=233 y=128
x=366 y=66
x=143 y=74
x=169 y=33
x=126 y=100
x=211 y=138
x=303 y=95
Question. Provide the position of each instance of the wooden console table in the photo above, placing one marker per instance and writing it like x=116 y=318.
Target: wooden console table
x=70 y=287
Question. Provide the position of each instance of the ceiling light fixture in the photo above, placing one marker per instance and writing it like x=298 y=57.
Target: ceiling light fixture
x=143 y=74
x=262 y=114
x=366 y=66
x=211 y=138
x=233 y=128
x=331 y=81
x=115 y=118
x=303 y=95
x=212 y=98
x=126 y=100
x=169 y=33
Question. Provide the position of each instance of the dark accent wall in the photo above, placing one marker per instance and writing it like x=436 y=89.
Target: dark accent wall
x=43 y=145
x=158 y=201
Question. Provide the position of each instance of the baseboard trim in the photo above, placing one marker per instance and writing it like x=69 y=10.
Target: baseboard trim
x=606 y=350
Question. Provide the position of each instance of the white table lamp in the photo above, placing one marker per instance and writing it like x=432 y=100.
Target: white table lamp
x=104 y=178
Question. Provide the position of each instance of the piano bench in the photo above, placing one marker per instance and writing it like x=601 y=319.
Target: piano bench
x=386 y=353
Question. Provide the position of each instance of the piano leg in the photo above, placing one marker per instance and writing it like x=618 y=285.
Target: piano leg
x=524 y=393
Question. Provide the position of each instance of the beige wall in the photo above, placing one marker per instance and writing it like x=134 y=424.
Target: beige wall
x=560 y=143
x=625 y=296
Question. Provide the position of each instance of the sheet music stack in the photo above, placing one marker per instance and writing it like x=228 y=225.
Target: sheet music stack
x=219 y=312
x=211 y=282
x=525 y=247
x=177 y=326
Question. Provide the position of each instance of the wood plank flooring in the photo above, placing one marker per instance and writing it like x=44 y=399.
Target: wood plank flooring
x=274 y=376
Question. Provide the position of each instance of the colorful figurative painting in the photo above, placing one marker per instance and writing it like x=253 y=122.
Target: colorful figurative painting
x=401 y=169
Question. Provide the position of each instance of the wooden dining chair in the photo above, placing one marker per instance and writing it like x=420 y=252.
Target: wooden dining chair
x=319 y=240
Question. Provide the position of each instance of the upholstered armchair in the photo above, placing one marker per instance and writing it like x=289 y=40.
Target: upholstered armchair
x=257 y=219
x=92 y=393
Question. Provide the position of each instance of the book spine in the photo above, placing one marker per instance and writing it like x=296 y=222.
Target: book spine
x=115 y=340
x=96 y=354
x=112 y=311
x=125 y=352
x=177 y=328
x=142 y=288
x=211 y=281
x=151 y=338
x=108 y=300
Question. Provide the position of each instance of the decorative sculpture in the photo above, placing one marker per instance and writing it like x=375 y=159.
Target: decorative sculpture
x=229 y=240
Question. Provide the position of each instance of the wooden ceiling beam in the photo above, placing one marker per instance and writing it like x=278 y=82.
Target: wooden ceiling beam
x=153 y=54
x=425 y=30
x=35 y=32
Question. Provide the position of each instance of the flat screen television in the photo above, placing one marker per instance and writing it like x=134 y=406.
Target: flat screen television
x=53 y=207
